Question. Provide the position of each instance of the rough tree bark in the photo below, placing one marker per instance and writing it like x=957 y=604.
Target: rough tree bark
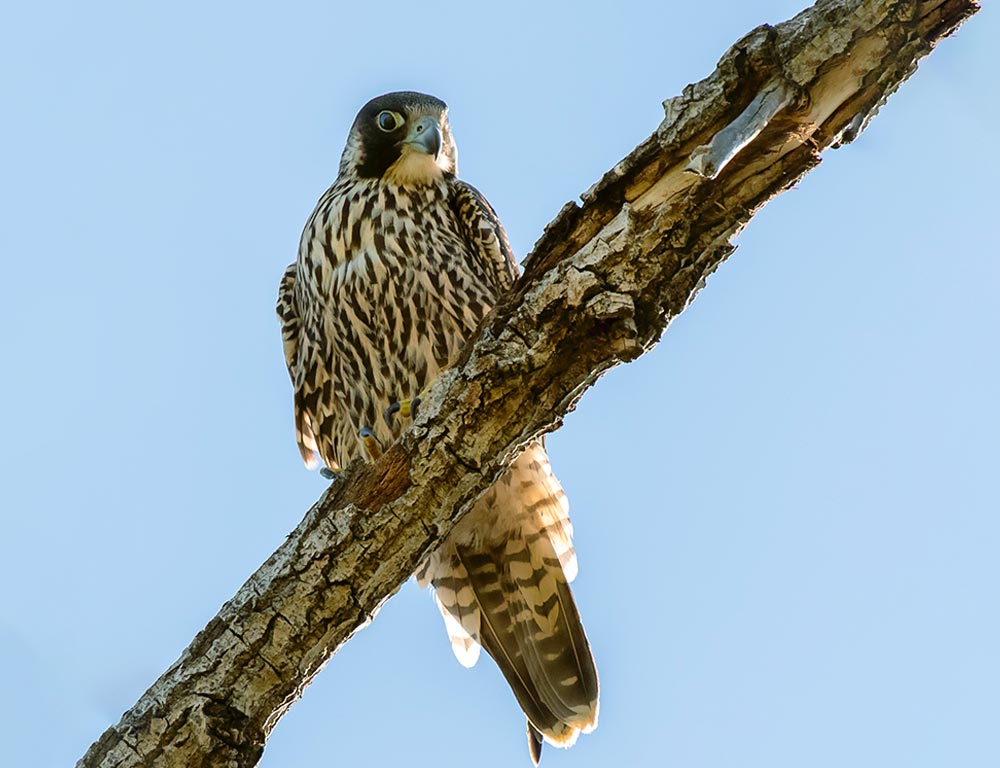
x=599 y=289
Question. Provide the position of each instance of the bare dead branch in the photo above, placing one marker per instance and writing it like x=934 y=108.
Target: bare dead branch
x=599 y=289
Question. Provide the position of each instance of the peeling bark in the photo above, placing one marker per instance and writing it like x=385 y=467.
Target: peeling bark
x=601 y=286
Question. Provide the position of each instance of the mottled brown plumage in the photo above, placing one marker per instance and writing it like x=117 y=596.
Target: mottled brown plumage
x=397 y=265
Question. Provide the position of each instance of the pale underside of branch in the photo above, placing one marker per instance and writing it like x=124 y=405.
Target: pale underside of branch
x=600 y=287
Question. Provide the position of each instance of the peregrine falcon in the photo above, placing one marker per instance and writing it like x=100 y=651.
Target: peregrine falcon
x=397 y=266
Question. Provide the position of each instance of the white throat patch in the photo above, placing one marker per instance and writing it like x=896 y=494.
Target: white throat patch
x=413 y=169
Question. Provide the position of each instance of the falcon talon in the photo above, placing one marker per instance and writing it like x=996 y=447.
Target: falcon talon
x=391 y=411
x=328 y=474
x=371 y=443
x=403 y=408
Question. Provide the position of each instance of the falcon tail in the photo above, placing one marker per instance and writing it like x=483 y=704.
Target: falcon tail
x=530 y=625
x=502 y=582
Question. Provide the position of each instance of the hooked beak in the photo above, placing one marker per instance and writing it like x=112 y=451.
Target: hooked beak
x=425 y=136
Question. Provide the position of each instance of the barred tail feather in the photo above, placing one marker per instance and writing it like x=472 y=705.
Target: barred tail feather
x=544 y=504
x=501 y=582
x=456 y=601
x=534 y=744
x=531 y=627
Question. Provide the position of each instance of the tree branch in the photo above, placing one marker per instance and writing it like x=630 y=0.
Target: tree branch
x=600 y=287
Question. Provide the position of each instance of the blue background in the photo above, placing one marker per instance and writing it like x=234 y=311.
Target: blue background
x=786 y=514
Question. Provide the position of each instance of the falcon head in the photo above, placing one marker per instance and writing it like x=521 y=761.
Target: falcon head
x=402 y=138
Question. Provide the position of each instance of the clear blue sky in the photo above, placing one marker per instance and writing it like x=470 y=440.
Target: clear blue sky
x=787 y=513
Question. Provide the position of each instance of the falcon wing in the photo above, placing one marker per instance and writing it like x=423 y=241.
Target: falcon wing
x=288 y=314
x=482 y=229
x=291 y=334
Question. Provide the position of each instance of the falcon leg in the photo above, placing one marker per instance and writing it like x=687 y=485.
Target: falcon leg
x=372 y=445
x=328 y=473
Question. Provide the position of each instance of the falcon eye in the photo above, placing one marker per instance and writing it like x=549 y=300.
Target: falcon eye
x=389 y=121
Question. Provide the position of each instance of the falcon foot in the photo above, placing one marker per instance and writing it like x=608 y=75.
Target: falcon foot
x=328 y=473
x=372 y=445
x=403 y=408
